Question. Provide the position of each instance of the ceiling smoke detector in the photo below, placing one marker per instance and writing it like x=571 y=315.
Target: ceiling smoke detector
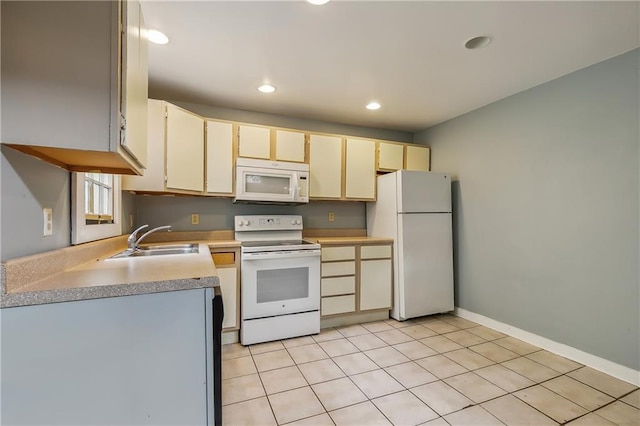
x=477 y=42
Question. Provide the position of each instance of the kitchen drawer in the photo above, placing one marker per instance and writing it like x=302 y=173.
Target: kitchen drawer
x=340 y=285
x=224 y=258
x=335 y=269
x=338 y=304
x=338 y=253
x=375 y=252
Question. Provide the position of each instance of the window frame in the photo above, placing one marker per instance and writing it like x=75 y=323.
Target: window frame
x=80 y=231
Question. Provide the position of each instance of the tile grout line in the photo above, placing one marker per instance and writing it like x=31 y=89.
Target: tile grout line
x=410 y=360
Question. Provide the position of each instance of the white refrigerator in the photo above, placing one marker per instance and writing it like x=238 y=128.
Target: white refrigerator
x=414 y=208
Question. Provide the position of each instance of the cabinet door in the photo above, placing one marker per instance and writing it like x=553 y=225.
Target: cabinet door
x=134 y=83
x=417 y=158
x=229 y=287
x=375 y=284
x=219 y=158
x=289 y=146
x=390 y=156
x=360 y=173
x=254 y=142
x=325 y=166
x=185 y=150
x=153 y=178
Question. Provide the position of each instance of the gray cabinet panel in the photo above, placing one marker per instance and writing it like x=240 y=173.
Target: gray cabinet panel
x=124 y=360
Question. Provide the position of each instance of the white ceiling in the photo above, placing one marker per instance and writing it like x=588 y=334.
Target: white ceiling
x=329 y=61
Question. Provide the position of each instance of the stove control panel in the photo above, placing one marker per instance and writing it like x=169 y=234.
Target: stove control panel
x=268 y=223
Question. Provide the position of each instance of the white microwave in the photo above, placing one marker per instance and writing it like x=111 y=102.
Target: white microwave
x=274 y=182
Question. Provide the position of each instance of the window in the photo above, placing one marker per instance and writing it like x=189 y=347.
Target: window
x=98 y=198
x=95 y=212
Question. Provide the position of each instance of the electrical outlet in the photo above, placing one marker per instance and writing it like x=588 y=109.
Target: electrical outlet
x=195 y=219
x=332 y=217
x=48 y=221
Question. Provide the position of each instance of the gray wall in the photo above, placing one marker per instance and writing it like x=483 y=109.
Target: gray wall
x=217 y=213
x=27 y=186
x=546 y=208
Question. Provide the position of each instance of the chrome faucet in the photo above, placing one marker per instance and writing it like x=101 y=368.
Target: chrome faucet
x=133 y=243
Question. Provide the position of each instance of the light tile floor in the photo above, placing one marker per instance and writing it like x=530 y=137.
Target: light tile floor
x=436 y=370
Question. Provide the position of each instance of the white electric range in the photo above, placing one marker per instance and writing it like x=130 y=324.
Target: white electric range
x=280 y=277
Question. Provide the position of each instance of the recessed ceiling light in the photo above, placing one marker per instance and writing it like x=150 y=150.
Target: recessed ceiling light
x=477 y=42
x=318 y=2
x=267 y=88
x=373 y=106
x=155 y=36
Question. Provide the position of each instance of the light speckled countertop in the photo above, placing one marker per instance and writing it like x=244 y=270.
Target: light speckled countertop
x=81 y=272
x=98 y=278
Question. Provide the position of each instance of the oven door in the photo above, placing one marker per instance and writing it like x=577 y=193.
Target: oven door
x=278 y=283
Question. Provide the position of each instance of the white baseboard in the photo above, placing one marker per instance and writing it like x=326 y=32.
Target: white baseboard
x=616 y=370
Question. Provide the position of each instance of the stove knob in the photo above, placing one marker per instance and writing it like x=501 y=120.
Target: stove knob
x=293 y=221
x=247 y=223
x=298 y=222
x=240 y=222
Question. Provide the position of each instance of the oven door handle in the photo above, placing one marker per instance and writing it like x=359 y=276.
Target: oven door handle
x=280 y=255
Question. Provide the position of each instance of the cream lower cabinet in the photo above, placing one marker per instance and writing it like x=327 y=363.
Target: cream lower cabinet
x=355 y=278
x=338 y=280
x=376 y=277
x=227 y=265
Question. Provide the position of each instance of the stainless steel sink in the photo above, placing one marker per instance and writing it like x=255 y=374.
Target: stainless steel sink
x=158 y=250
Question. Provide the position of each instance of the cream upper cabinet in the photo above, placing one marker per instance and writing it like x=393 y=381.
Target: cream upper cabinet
x=325 y=166
x=417 y=158
x=219 y=144
x=135 y=80
x=185 y=150
x=360 y=170
x=153 y=179
x=290 y=146
x=254 y=141
x=390 y=156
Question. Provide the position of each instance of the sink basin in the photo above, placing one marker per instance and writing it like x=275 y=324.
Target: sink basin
x=158 y=250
